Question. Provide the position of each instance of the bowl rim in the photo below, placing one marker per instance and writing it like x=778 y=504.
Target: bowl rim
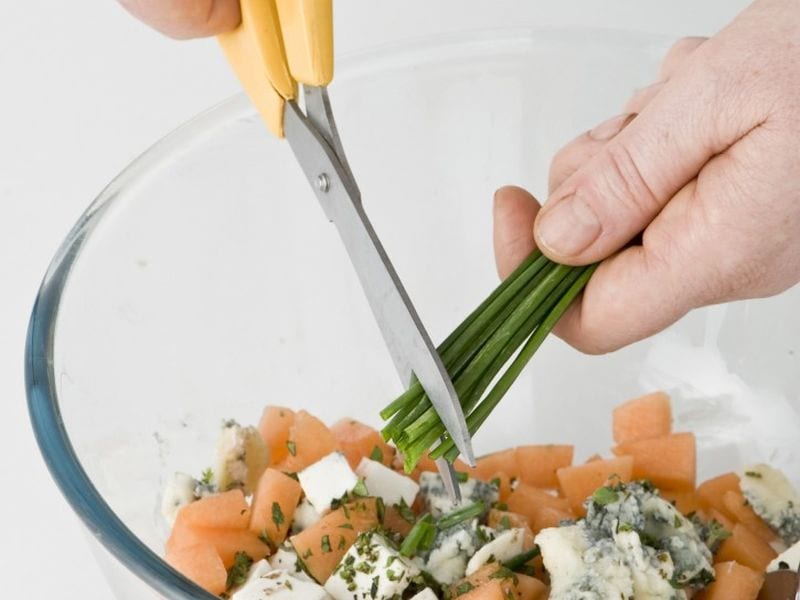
x=41 y=380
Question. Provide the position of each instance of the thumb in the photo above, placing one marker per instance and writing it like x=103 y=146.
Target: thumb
x=613 y=197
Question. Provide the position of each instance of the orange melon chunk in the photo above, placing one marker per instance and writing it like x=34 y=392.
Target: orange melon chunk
x=733 y=582
x=537 y=464
x=274 y=427
x=746 y=548
x=642 y=418
x=201 y=564
x=668 y=462
x=712 y=491
x=503 y=483
x=580 y=481
x=741 y=511
x=505 y=519
x=714 y=514
x=394 y=521
x=357 y=441
x=541 y=508
x=227 y=542
x=274 y=503
x=309 y=440
x=487 y=466
x=323 y=545
x=227 y=510
x=530 y=588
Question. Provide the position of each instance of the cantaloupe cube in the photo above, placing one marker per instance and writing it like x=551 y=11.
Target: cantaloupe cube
x=594 y=458
x=746 y=548
x=357 y=441
x=715 y=515
x=323 y=545
x=712 y=491
x=505 y=519
x=494 y=589
x=427 y=465
x=503 y=483
x=580 y=481
x=642 y=418
x=685 y=501
x=504 y=461
x=733 y=582
x=228 y=510
x=309 y=440
x=227 y=542
x=395 y=522
x=274 y=503
x=274 y=427
x=530 y=588
x=201 y=564
x=543 y=517
x=541 y=508
x=668 y=462
x=537 y=464
x=737 y=505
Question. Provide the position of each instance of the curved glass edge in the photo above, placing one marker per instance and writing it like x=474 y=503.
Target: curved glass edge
x=40 y=378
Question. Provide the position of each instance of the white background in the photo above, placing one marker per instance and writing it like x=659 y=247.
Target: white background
x=83 y=89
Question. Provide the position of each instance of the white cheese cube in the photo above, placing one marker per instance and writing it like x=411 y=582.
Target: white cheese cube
x=304 y=516
x=788 y=558
x=383 y=482
x=242 y=457
x=371 y=570
x=426 y=594
x=327 y=480
x=506 y=545
x=265 y=584
x=286 y=559
x=773 y=498
x=438 y=500
x=178 y=492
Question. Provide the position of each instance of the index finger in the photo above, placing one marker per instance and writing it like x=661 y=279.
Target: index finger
x=185 y=19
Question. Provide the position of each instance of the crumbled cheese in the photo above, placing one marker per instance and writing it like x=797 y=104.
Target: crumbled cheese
x=438 y=501
x=263 y=583
x=241 y=457
x=788 y=559
x=452 y=548
x=385 y=483
x=304 y=516
x=286 y=559
x=426 y=594
x=773 y=498
x=372 y=569
x=327 y=480
x=179 y=491
x=505 y=546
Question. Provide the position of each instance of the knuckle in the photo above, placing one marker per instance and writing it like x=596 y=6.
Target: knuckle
x=626 y=184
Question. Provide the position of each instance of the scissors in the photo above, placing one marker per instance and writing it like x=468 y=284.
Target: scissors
x=280 y=48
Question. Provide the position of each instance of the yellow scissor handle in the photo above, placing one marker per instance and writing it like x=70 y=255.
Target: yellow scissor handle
x=277 y=44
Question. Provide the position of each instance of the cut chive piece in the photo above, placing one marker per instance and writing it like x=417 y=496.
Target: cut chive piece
x=466 y=513
x=419 y=538
x=517 y=561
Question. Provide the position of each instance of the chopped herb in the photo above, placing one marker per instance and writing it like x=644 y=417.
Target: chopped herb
x=516 y=562
x=376 y=454
x=604 y=495
x=716 y=533
x=307 y=554
x=342 y=543
x=360 y=489
x=346 y=526
x=462 y=477
x=460 y=515
x=381 y=509
x=405 y=512
x=500 y=506
x=277 y=515
x=292 y=447
x=754 y=474
x=464 y=587
x=325 y=544
x=207 y=477
x=505 y=522
x=264 y=537
x=420 y=537
x=237 y=574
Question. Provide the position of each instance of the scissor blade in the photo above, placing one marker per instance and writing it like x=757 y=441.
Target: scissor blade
x=448 y=475
x=406 y=338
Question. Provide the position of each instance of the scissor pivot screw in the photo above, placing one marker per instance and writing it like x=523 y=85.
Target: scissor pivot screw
x=323 y=183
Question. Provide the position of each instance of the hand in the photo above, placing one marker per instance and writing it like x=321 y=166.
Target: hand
x=184 y=19
x=706 y=163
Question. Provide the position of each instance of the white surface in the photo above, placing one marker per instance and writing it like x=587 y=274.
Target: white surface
x=85 y=88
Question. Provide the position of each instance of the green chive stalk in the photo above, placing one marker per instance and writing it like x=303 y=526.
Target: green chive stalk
x=493 y=344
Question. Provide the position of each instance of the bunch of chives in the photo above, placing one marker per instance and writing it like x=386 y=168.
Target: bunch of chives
x=494 y=343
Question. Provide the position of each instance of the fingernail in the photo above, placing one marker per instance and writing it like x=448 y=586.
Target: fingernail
x=570 y=227
x=608 y=129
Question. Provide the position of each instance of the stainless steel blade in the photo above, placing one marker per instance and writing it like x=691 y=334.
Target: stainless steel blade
x=406 y=338
x=450 y=478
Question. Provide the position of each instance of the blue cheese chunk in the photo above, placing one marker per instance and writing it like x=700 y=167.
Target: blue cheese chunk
x=372 y=569
x=242 y=457
x=386 y=483
x=788 y=559
x=773 y=498
x=438 y=501
x=503 y=547
x=327 y=480
x=452 y=549
x=263 y=583
x=286 y=559
x=651 y=570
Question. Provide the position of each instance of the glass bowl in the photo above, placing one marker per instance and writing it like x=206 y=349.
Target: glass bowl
x=205 y=283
